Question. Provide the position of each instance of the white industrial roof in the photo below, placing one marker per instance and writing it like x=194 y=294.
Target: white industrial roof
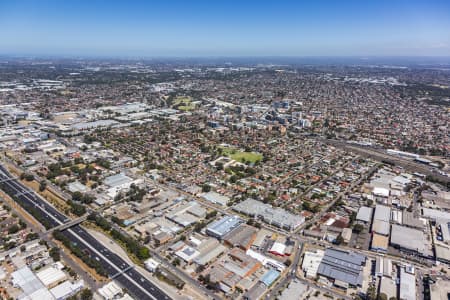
x=117 y=180
x=39 y=294
x=151 y=263
x=436 y=214
x=216 y=198
x=26 y=280
x=65 y=289
x=50 y=275
x=407 y=285
x=187 y=253
x=110 y=290
x=311 y=262
x=379 y=191
x=264 y=260
x=382 y=213
x=364 y=214
x=408 y=238
x=278 y=248
x=380 y=227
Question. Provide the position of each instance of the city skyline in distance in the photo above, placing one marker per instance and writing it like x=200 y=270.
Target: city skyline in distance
x=225 y=29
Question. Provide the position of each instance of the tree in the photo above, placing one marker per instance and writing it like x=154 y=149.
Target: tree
x=13 y=229
x=42 y=185
x=288 y=262
x=206 y=188
x=339 y=240
x=76 y=196
x=211 y=214
x=358 y=228
x=54 y=253
x=86 y=294
x=176 y=262
x=382 y=296
x=27 y=176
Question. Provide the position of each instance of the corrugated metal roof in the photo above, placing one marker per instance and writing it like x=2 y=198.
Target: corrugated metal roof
x=364 y=214
x=269 y=277
x=382 y=213
x=381 y=227
x=345 y=266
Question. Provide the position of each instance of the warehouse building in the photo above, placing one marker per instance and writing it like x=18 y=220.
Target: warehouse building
x=436 y=215
x=242 y=237
x=407 y=284
x=311 y=262
x=379 y=243
x=381 y=220
x=274 y=216
x=31 y=286
x=52 y=275
x=344 y=268
x=364 y=214
x=442 y=253
x=410 y=240
x=216 y=198
x=66 y=289
x=221 y=227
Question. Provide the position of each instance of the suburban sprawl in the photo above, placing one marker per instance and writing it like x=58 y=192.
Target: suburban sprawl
x=223 y=180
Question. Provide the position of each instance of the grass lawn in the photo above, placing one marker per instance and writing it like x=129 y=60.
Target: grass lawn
x=183 y=103
x=241 y=156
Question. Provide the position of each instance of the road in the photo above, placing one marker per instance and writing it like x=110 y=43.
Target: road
x=185 y=277
x=126 y=275
x=290 y=275
x=90 y=281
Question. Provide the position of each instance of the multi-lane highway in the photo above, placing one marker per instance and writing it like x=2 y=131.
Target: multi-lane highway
x=136 y=284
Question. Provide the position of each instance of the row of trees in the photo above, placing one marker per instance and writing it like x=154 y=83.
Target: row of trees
x=132 y=245
x=78 y=252
x=35 y=212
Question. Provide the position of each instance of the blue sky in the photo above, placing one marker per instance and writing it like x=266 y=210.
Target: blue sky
x=226 y=28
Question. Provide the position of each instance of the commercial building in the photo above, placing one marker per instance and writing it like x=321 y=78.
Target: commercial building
x=410 y=240
x=381 y=220
x=151 y=265
x=93 y=125
x=379 y=243
x=110 y=291
x=364 y=214
x=187 y=253
x=273 y=216
x=230 y=271
x=66 y=289
x=242 y=237
x=344 y=268
x=207 y=255
x=311 y=262
x=436 y=215
x=117 y=183
x=407 y=285
x=221 y=227
x=52 y=274
x=216 y=198
x=266 y=261
x=269 y=277
x=31 y=286
x=278 y=249
x=408 y=219
x=442 y=252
